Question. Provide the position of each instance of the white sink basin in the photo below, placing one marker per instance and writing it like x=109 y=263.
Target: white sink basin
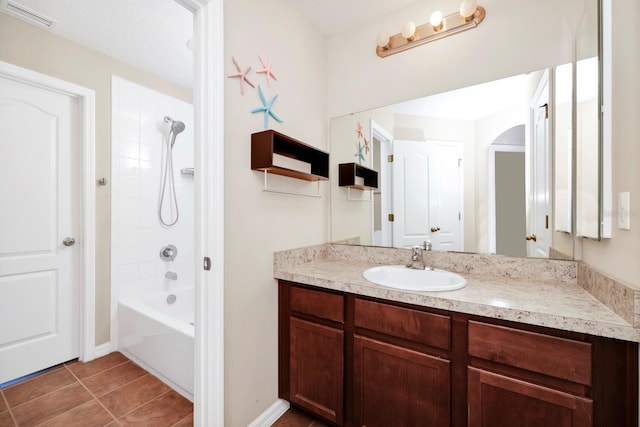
x=409 y=279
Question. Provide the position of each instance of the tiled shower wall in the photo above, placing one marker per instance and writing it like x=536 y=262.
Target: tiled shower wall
x=138 y=150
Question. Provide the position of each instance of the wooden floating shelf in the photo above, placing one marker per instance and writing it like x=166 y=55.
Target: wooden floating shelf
x=266 y=144
x=349 y=171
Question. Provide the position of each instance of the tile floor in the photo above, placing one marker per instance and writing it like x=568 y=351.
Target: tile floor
x=109 y=391
x=296 y=418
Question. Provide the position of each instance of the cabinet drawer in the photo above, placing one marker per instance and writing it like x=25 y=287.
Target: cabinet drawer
x=317 y=303
x=413 y=325
x=557 y=357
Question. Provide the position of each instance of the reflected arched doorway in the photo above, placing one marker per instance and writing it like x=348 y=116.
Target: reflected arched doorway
x=507 y=194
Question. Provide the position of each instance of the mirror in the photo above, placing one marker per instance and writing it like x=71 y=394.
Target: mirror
x=588 y=130
x=459 y=172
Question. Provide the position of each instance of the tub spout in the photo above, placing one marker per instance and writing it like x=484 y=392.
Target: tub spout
x=171 y=275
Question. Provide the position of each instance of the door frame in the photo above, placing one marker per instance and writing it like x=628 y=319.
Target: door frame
x=86 y=116
x=543 y=91
x=384 y=183
x=491 y=190
x=208 y=92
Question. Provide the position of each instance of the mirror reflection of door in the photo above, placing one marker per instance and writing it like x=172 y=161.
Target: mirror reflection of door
x=539 y=230
x=427 y=190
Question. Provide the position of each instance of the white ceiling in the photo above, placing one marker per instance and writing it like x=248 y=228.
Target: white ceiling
x=152 y=35
x=470 y=103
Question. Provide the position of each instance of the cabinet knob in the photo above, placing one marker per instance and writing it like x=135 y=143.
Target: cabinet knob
x=434 y=229
x=69 y=241
x=531 y=237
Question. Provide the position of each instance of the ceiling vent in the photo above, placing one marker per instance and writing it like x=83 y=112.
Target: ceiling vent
x=26 y=14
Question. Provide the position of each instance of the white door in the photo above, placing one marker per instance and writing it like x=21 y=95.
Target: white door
x=426 y=194
x=39 y=190
x=445 y=203
x=411 y=216
x=539 y=232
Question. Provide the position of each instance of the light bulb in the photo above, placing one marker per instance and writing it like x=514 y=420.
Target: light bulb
x=436 y=20
x=383 y=40
x=468 y=9
x=409 y=30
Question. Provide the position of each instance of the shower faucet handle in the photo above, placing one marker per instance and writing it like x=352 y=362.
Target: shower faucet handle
x=168 y=253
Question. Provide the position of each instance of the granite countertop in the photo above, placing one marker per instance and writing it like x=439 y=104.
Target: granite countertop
x=553 y=301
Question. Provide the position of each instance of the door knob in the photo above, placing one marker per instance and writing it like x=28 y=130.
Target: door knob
x=69 y=241
x=434 y=229
x=531 y=237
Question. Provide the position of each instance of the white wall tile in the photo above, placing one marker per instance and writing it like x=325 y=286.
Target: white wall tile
x=139 y=133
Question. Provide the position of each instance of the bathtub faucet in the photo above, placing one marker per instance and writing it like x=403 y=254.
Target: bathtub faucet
x=171 y=275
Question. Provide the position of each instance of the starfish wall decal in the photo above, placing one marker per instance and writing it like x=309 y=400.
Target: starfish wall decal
x=360 y=154
x=359 y=130
x=266 y=70
x=266 y=108
x=242 y=75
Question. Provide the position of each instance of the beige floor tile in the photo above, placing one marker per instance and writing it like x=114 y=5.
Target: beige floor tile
x=164 y=411
x=111 y=379
x=53 y=404
x=133 y=395
x=38 y=386
x=91 y=414
x=84 y=370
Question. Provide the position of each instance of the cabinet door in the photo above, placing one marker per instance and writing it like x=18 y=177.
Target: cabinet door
x=496 y=400
x=394 y=386
x=317 y=368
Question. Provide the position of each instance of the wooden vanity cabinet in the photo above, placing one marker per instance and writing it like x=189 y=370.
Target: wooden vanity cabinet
x=359 y=361
x=527 y=378
x=400 y=376
x=311 y=360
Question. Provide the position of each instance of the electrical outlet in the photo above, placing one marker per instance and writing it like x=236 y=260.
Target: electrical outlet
x=624 y=216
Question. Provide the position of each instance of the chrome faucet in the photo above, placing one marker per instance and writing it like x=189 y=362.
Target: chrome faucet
x=427 y=245
x=171 y=275
x=417 y=259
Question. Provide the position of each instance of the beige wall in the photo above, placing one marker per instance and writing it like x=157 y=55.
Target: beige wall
x=39 y=50
x=258 y=223
x=502 y=46
x=352 y=218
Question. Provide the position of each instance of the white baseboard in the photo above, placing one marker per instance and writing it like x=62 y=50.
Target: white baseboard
x=272 y=413
x=98 y=351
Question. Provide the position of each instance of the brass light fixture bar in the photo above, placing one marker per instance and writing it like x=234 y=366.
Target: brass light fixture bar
x=451 y=24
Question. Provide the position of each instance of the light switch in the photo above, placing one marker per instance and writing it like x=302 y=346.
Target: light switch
x=624 y=206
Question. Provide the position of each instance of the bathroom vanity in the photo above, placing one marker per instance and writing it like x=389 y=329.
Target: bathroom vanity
x=355 y=354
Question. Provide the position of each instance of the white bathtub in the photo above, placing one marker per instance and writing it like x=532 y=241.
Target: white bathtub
x=158 y=336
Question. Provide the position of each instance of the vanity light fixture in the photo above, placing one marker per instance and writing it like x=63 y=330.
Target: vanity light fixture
x=469 y=16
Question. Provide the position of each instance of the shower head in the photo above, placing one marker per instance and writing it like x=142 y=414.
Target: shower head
x=176 y=128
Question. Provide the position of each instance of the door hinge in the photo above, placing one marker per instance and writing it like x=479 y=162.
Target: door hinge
x=391 y=217
x=459 y=216
x=459 y=162
x=207 y=263
x=390 y=158
x=546 y=110
x=546 y=222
